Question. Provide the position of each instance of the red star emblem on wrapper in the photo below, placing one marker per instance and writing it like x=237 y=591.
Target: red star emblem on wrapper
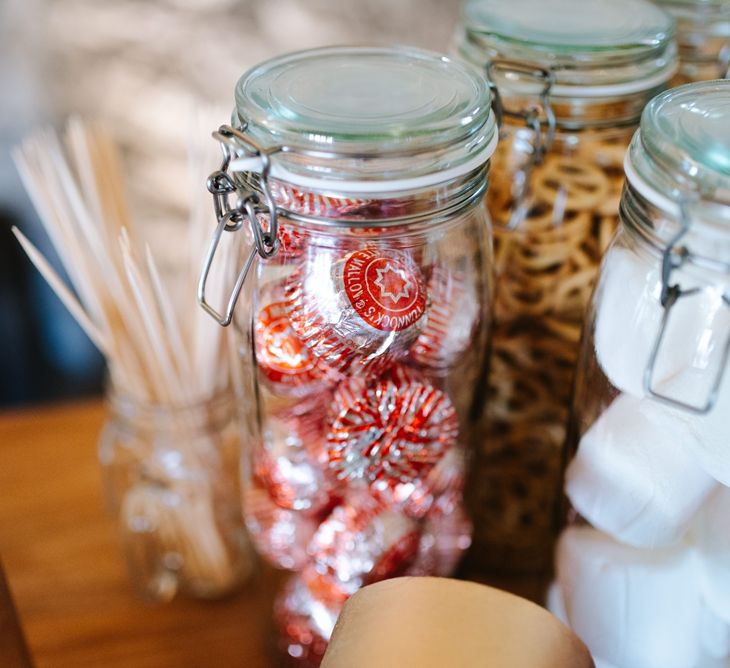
x=393 y=284
x=385 y=290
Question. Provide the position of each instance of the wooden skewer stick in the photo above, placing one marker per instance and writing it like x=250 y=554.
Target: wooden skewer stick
x=62 y=292
x=155 y=353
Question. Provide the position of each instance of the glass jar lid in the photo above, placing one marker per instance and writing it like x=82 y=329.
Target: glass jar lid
x=682 y=148
x=678 y=175
x=376 y=118
x=698 y=20
x=703 y=36
x=593 y=47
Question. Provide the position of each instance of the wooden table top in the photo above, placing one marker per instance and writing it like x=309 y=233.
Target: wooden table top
x=66 y=573
x=67 y=576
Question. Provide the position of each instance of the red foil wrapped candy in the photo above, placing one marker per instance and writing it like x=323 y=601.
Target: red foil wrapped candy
x=288 y=366
x=396 y=430
x=292 y=470
x=363 y=309
x=446 y=535
x=305 y=623
x=309 y=203
x=416 y=497
x=281 y=536
x=453 y=315
x=357 y=545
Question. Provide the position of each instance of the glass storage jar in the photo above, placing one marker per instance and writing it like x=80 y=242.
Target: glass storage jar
x=643 y=571
x=570 y=93
x=170 y=476
x=360 y=175
x=703 y=38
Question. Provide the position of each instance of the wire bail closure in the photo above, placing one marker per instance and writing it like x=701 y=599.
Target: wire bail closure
x=674 y=257
x=248 y=207
x=531 y=116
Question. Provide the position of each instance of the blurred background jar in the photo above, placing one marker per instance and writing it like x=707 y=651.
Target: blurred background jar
x=703 y=38
x=643 y=572
x=365 y=327
x=171 y=477
x=570 y=78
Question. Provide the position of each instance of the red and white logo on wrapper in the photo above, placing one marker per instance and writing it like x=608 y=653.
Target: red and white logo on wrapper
x=384 y=291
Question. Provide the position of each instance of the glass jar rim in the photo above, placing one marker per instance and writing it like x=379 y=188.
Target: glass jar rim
x=699 y=22
x=682 y=148
x=594 y=52
x=366 y=116
x=213 y=408
x=678 y=175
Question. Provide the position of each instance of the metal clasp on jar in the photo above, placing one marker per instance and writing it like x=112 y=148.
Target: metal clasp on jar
x=545 y=78
x=248 y=206
x=674 y=257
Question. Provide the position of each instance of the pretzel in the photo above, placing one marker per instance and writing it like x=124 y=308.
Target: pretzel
x=546 y=267
x=573 y=225
x=581 y=185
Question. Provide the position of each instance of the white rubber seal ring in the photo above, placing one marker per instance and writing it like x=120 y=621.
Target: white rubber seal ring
x=277 y=171
x=609 y=90
x=666 y=204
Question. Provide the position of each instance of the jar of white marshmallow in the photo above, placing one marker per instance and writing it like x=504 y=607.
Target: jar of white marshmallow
x=643 y=569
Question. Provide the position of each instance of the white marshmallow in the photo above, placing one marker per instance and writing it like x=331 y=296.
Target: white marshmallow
x=710 y=662
x=600 y=663
x=715 y=635
x=629 y=316
x=554 y=602
x=711 y=442
x=634 y=475
x=633 y=608
x=712 y=534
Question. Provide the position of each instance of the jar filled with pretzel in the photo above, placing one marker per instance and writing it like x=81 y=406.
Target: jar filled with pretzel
x=359 y=176
x=703 y=38
x=569 y=93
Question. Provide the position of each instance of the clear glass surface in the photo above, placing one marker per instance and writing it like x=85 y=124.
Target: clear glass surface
x=362 y=94
x=553 y=215
x=546 y=265
x=170 y=477
x=366 y=334
x=361 y=108
x=649 y=480
x=584 y=26
x=593 y=43
x=364 y=424
x=685 y=138
x=703 y=37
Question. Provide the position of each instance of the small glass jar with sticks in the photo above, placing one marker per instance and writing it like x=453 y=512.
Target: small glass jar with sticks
x=169 y=450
